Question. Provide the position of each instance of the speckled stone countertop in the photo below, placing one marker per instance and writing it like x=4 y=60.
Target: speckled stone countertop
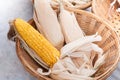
x=10 y=66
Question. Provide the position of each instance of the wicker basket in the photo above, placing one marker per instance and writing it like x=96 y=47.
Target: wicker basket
x=90 y=24
x=102 y=9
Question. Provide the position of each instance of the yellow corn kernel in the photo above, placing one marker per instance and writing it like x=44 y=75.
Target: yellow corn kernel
x=45 y=50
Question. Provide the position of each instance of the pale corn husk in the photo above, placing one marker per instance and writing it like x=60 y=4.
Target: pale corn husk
x=69 y=25
x=73 y=46
x=64 y=74
x=50 y=24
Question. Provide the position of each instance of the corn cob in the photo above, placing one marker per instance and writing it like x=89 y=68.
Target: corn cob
x=44 y=50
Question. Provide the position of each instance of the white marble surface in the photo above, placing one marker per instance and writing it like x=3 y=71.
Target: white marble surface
x=10 y=66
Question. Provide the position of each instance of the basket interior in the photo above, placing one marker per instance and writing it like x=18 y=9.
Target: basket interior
x=90 y=25
x=102 y=9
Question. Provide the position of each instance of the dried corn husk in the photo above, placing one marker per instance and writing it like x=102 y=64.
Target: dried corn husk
x=74 y=45
x=50 y=26
x=64 y=72
x=68 y=76
x=69 y=25
x=65 y=69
